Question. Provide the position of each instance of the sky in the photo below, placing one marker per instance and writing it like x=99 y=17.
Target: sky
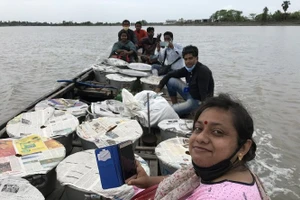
x=117 y=10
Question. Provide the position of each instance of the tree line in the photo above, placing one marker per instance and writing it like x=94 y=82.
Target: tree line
x=265 y=16
x=68 y=23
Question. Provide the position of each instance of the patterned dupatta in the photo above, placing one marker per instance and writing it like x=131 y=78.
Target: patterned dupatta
x=184 y=181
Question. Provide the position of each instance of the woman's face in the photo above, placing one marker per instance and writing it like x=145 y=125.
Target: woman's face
x=123 y=37
x=214 y=138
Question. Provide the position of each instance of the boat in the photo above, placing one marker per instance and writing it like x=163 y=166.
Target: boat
x=87 y=89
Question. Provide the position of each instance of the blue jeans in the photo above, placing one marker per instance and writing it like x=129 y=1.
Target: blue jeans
x=155 y=68
x=175 y=86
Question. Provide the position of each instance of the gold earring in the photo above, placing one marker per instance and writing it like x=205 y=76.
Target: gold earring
x=240 y=157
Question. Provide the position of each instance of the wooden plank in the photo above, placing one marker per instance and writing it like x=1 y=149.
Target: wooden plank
x=144 y=148
x=147 y=156
x=153 y=164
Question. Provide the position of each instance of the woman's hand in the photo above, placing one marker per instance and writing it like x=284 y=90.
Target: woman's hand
x=142 y=180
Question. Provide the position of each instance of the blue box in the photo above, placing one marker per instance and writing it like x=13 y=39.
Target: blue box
x=116 y=164
x=109 y=166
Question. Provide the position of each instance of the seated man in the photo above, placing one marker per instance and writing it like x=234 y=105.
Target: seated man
x=199 y=83
x=148 y=45
x=124 y=48
x=130 y=33
x=171 y=54
x=139 y=32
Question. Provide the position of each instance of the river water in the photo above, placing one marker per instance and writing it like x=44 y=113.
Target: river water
x=259 y=65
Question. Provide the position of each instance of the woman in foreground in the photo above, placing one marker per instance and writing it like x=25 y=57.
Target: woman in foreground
x=220 y=146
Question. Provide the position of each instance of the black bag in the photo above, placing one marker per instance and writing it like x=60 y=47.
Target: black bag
x=164 y=69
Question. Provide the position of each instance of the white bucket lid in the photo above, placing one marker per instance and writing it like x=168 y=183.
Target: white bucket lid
x=105 y=68
x=98 y=130
x=72 y=106
x=172 y=152
x=140 y=66
x=12 y=188
x=115 y=62
x=151 y=80
x=43 y=153
x=183 y=126
x=131 y=72
x=83 y=164
x=108 y=108
x=120 y=78
x=46 y=122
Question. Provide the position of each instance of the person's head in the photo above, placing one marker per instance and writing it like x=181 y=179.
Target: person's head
x=190 y=55
x=150 y=32
x=138 y=25
x=126 y=24
x=123 y=36
x=222 y=129
x=168 y=36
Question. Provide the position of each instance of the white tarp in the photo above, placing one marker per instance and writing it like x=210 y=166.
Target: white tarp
x=137 y=107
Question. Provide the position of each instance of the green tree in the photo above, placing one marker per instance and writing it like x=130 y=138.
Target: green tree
x=285 y=5
x=277 y=16
x=144 y=22
x=265 y=14
x=295 y=16
x=227 y=16
x=252 y=16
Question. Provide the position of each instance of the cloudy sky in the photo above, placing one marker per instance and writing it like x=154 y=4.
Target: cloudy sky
x=117 y=10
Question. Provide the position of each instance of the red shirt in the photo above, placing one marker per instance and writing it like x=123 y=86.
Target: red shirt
x=141 y=34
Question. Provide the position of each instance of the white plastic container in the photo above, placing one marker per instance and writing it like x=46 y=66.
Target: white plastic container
x=120 y=81
x=151 y=83
x=71 y=106
x=47 y=123
x=140 y=67
x=172 y=154
x=79 y=174
x=33 y=158
x=18 y=189
x=101 y=71
x=134 y=73
x=171 y=128
x=105 y=131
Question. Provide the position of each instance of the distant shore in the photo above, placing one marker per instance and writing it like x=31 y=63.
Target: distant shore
x=247 y=23
x=286 y=23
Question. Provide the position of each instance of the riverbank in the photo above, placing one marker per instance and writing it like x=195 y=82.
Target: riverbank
x=247 y=23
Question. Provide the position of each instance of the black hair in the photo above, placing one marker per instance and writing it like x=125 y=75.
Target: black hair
x=138 y=22
x=150 y=29
x=121 y=32
x=190 y=50
x=169 y=33
x=242 y=121
x=126 y=21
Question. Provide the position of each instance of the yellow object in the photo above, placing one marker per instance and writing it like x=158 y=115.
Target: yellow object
x=30 y=144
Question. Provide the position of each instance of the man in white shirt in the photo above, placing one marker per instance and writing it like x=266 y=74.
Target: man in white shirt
x=169 y=53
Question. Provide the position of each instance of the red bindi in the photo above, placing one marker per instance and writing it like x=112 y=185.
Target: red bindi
x=205 y=122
